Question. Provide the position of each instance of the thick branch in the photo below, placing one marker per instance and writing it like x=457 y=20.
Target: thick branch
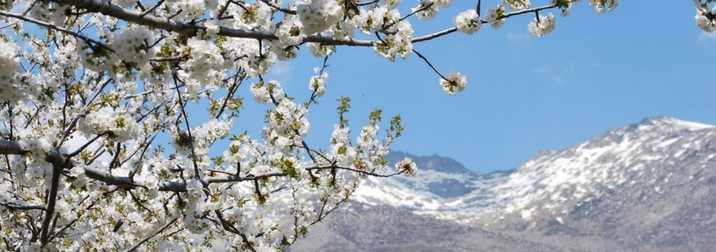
x=107 y=8
x=12 y=148
x=51 y=200
x=125 y=182
x=22 y=207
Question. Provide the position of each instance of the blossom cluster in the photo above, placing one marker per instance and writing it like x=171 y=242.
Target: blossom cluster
x=111 y=92
x=455 y=82
x=10 y=87
x=542 y=25
x=517 y=4
x=318 y=15
x=398 y=44
x=602 y=6
x=705 y=19
x=467 y=22
x=288 y=124
x=266 y=93
x=564 y=5
x=133 y=42
x=317 y=83
x=494 y=16
x=428 y=9
x=117 y=124
x=204 y=60
x=407 y=166
x=341 y=145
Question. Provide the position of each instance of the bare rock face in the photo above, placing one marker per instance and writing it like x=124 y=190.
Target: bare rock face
x=385 y=228
x=644 y=187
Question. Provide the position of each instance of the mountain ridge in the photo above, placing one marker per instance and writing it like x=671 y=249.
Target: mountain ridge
x=642 y=186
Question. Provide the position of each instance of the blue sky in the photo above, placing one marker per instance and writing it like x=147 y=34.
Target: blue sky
x=594 y=72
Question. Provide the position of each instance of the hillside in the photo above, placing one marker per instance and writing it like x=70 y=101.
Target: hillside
x=646 y=186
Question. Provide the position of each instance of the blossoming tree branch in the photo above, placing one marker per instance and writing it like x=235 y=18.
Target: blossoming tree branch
x=100 y=150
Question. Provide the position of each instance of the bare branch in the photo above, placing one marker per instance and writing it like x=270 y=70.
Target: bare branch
x=107 y=8
x=284 y=10
x=51 y=200
x=124 y=182
x=434 y=35
x=429 y=64
x=54 y=27
x=20 y=207
x=13 y=148
x=134 y=248
x=188 y=127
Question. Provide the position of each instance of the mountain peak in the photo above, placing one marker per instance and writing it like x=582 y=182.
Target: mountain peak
x=609 y=193
x=434 y=162
x=670 y=123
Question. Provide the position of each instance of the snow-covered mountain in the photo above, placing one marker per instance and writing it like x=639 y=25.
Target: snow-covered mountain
x=647 y=185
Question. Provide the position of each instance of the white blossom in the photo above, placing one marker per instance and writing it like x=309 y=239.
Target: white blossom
x=468 y=22
x=705 y=19
x=426 y=10
x=133 y=42
x=319 y=15
x=455 y=82
x=10 y=87
x=261 y=93
x=543 y=25
x=407 y=166
x=317 y=83
x=116 y=124
x=399 y=44
x=517 y=4
x=390 y=3
x=9 y=62
x=602 y=6
x=190 y=8
x=443 y=3
x=493 y=16
x=142 y=110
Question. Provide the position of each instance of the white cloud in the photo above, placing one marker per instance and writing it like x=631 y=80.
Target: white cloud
x=518 y=37
x=706 y=37
x=592 y=66
x=570 y=67
x=542 y=69
x=558 y=80
x=280 y=69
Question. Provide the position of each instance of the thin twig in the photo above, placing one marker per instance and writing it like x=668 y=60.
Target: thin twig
x=428 y=62
x=188 y=128
x=54 y=27
x=284 y=10
x=134 y=248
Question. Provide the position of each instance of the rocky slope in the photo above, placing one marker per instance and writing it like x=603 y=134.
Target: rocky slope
x=385 y=228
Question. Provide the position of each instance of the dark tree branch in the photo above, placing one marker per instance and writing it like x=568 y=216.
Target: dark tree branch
x=284 y=10
x=51 y=200
x=20 y=207
x=12 y=148
x=429 y=64
x=188 y=128
x=124 y=182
